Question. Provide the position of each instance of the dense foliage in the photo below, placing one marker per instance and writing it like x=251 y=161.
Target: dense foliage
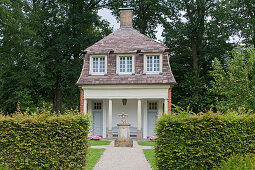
x=40 y=48
x=239 y=162
x=41 y=43
x=203 y=141
x=234 y=80
x=44 y=140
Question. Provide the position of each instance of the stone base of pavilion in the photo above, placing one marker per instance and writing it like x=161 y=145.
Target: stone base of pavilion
x=123 y=139
x=123 y=143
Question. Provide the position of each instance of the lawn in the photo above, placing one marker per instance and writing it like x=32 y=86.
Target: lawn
x=146 y=143
x=150 y=156
x=99 y=142
x=93 y=157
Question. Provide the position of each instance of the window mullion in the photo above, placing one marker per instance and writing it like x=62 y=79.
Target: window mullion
x=98 y=65
x=125 y=64
x=152 y=63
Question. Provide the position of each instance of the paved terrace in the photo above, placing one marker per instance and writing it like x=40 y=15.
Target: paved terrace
x=123 y=158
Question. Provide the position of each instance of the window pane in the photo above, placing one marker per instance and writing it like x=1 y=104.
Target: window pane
x=153 y=63
x=98 y=64
x=125 y=64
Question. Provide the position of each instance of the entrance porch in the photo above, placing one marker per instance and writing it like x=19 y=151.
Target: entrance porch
x=143 y=105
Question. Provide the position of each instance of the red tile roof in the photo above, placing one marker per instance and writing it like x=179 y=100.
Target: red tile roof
x=125 y=40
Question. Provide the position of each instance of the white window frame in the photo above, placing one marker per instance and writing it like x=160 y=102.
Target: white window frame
x=145 y=63
x=91 y=64
x=118 y=64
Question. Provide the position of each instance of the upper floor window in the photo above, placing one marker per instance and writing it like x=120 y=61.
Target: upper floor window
x=125 y=64
x=98 y=65
x=153 y=64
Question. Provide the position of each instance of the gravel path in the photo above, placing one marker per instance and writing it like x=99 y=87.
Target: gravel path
x=123 y=158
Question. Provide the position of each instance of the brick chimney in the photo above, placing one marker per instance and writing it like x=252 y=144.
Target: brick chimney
x=126 y=15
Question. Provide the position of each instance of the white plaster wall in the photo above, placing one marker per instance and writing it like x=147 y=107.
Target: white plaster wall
x=126 y=92
x=130 y=109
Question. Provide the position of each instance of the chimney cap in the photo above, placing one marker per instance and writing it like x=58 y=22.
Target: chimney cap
x=129 y=8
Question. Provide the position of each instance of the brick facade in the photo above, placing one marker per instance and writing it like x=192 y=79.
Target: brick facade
x=81 y=100
x=169 y=100
x=139 y=78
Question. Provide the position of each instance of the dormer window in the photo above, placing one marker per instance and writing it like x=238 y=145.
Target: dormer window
x=125 y=64
x=153 y=63
x=98 y=65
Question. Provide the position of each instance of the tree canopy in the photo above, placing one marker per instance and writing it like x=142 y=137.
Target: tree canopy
x=41 y=43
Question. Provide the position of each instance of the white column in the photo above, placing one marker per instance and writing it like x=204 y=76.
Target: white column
x=166 y=106
x=160 y=107
x=110 y=115
x=109 y=133
x=145 y=121
x=139 y=115
x=85 y=106
x=139 y=119
x=90 y=115
x=104 y=119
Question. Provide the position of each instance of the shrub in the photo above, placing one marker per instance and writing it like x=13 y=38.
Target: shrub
x=234 y=80
x=153 y=137
x=44 y=141
x=95 y=137
x=202 y=141
x=239 y=162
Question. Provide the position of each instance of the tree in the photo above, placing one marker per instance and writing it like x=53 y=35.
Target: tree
x=194 y=39
x=234 y=80
x=18 y=71
x=147 y=14
x=239 y=16
x=40 y=44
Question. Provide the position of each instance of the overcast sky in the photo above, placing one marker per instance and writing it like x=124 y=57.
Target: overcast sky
x=106 y=15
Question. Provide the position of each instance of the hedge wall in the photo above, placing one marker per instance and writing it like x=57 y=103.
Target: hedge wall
x=202 y=141
x=44 y=141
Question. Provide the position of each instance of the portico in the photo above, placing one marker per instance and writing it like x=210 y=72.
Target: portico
x=138 y=97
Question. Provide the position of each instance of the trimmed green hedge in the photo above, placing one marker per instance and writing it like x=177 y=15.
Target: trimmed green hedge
x=202 y=141
x=239 y=162
x=44 y=141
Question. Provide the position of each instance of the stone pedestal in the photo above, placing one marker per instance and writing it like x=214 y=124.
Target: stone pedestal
x=124 y=139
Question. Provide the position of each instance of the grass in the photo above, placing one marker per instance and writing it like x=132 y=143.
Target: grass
x=239 y=162
x=99 y=142
x=146 y=143
x=93 y=157
x=150 y=156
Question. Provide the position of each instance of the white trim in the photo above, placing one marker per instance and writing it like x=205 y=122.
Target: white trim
x=145 y=63
x=126 y=91
x=91 y=64
x=118 y=64
x=145 y=86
